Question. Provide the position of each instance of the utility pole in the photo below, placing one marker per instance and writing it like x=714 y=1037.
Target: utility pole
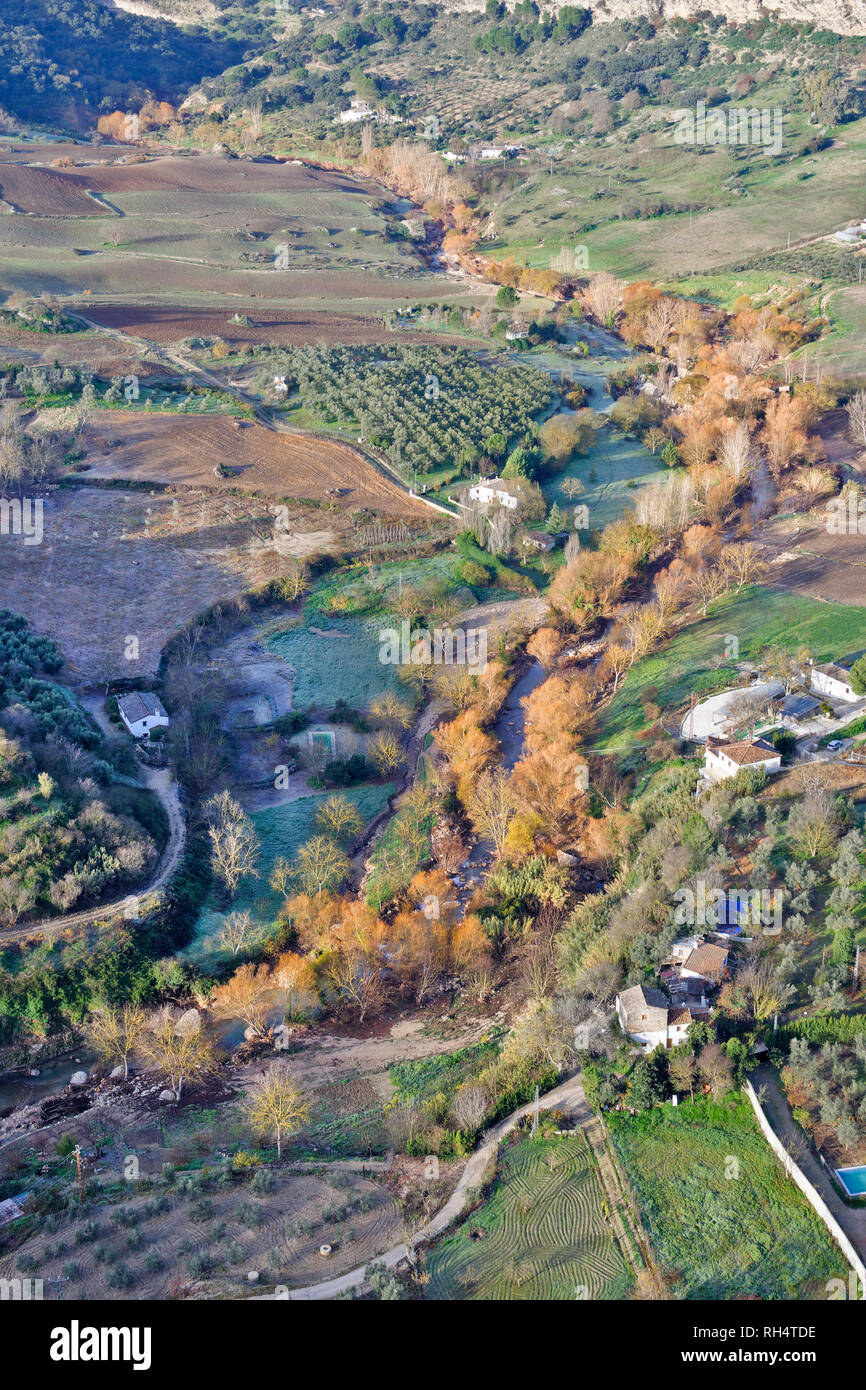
x=535 y=1119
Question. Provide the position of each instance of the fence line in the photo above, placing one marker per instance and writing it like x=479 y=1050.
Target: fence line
x=809 y=1191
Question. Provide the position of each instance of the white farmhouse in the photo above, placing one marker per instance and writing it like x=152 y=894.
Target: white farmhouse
x=723 y=759
x=834 y=678
x=494 y=490
x=647 y=1018
x=358 y=111
x=141 y=712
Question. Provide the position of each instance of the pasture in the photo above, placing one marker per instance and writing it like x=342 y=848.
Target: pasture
x=723 y=1218
x=541 y=1233
x=183 y=227
x=758 y=617
x=281 y=829
x=337 y=661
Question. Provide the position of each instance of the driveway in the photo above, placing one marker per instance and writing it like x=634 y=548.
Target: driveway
x=778 y=1112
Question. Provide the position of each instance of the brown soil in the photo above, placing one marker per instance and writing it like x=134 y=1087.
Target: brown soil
x=64 y=192
x=806 y=558
x=183 y=450
x=282 y=329
x=116 y=562
x=177 y=1238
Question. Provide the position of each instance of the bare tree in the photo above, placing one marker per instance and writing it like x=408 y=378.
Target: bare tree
x=276 y=1105
x=742 y=564
x=182 y=1055
x=856 y=409
x=736 y=452
x=234 y=843
x=494 y=806
x=235 y=931
x=603 y=297
x=115 y=1033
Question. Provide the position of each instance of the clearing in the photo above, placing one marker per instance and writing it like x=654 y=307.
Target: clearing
x=541 y=1233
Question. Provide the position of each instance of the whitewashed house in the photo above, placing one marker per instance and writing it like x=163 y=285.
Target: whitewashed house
x=833 y=679
x=358 y=111
x=493 y=490
x=141 y=712
x=723 y=759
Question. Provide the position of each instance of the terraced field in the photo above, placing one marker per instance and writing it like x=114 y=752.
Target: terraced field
x=206 y=227
x=541 y=1234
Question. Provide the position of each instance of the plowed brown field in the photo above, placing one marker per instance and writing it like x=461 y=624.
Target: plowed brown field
x=64 y=192
x=183 y=451
x=171 y=325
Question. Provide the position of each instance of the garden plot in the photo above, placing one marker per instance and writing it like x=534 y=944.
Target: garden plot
x=541 y=1234
x=723 y=1230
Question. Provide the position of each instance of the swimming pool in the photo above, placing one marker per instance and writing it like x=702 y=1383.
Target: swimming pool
x=853 y=1180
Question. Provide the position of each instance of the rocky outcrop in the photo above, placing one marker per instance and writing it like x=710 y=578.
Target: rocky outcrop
x=840 y=16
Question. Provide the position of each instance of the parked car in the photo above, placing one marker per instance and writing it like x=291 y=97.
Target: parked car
x=834 y=744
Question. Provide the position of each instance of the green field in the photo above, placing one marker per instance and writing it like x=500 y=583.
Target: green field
x=723 y=1219
x=434 y=1080
x=281 y=830
x=540 y=1235
x=342 y=665
x=610 y=473
x=757 y=617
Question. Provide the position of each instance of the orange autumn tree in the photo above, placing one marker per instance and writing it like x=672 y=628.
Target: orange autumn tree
x=312 y=916
x=353 y=971
x=784 y=436
x=468 y=749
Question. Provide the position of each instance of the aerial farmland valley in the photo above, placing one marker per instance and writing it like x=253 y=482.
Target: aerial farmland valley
x=432 y=667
